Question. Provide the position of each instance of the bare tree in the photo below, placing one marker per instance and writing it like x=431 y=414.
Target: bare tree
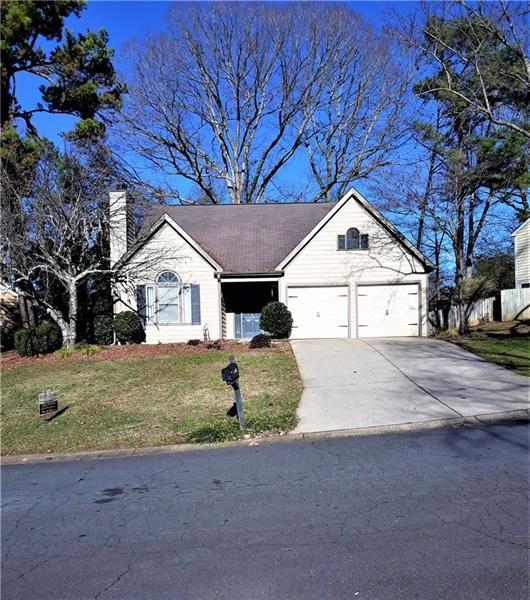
x=232 y=93
x=55 y=235
x=360 y=120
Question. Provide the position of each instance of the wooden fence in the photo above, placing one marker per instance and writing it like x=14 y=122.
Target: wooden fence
x=480 y=311
x=515 y=304
x=510 y=305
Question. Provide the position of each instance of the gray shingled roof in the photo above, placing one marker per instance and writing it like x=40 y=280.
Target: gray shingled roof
x=245 y=238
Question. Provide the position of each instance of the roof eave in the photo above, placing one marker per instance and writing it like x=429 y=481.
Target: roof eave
x=249 y=274
x=521 y=227
x=166 y=219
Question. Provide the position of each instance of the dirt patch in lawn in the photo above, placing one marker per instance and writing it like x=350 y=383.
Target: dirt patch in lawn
x=11 y=360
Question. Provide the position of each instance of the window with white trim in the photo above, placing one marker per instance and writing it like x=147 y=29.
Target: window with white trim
x=168 y=301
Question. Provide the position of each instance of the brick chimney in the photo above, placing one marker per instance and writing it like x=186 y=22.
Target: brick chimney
x=121 y=224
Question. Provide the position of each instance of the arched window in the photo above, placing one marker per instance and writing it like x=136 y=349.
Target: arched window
x=352 y=239
x=168 y=278
x=168 y=297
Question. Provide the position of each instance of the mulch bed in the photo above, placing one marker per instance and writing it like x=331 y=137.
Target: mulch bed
x=11 y=360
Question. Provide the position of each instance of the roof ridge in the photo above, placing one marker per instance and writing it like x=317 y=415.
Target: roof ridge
x=326 y=204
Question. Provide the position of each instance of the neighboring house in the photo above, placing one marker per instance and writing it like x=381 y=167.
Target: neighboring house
x=16 y=311
x=9 y=317
x=208 y=270
x=521 y=238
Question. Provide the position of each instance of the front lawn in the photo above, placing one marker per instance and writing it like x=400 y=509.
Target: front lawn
x=506 y=344
x=146 y=401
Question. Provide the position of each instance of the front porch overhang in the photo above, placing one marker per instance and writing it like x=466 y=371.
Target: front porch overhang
x=248 y=277
x=243 y=299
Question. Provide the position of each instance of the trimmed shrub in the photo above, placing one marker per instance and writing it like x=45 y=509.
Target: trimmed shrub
x=276 y=319
x=194 y=342
x=25 y=342
x=260 y=341
x=49 y=337
x=103 y=330
x=128 y=328
x=43 y=339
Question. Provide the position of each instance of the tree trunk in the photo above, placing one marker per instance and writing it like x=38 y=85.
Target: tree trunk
x=440 y=318
x=470 y=237
x=460 y=266
x=24 y=317
x=425 y=200
x=70 y=332
x=69 y=325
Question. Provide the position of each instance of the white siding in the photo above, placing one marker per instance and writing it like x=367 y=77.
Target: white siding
x=522 y=255
x=386 y=261
x=230 y=326
x=168 y=251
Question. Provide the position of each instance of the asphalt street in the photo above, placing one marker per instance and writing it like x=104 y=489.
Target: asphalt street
x=437 y=514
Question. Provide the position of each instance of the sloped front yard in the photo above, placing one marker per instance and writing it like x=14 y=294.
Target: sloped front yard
x=135 y=400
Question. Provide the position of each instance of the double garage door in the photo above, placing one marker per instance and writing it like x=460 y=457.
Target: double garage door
x=382 y=311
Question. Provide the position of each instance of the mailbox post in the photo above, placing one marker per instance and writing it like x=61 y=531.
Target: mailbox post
x=230 y=374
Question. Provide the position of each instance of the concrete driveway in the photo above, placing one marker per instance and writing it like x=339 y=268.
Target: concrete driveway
x=386 y=381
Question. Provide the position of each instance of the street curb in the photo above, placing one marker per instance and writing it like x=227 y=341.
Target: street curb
x=473 y=421
x=453 y=422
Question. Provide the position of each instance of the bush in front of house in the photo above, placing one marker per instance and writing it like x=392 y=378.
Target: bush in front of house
x=25 y=342
x=260 y=341
x=128 y=328
x=276 y=319
x=43 y=339
x=49 y=337
x=103 y=330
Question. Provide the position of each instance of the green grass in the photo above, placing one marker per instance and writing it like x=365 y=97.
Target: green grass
x=146 y=401
x=510 y=353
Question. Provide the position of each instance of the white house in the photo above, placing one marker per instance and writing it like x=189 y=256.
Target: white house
x=342 y=269
x=521 y=239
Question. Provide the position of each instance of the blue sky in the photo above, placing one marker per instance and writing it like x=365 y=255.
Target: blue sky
x=125 y=20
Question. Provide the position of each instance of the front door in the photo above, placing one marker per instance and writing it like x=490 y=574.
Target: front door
x=247 y=325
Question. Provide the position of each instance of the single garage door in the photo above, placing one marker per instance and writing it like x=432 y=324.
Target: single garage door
x=388 y=310
x=319 y=312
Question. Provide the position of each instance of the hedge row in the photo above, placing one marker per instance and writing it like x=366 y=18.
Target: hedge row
x=47 y=336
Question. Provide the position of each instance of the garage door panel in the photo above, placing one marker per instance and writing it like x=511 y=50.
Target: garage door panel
x=319 y=312
x=388 y=310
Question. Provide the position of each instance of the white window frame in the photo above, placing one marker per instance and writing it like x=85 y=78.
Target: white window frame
x=184 y=309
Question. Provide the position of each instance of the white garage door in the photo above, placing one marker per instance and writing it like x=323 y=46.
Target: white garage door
x=319 y=312
x=388 y=310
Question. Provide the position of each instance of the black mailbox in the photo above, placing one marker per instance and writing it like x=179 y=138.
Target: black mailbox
x=230 y=374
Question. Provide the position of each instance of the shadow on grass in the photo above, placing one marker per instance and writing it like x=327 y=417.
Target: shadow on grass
x=228 y=430
x=58 y=413
x=215 y=432
x=520 y=330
